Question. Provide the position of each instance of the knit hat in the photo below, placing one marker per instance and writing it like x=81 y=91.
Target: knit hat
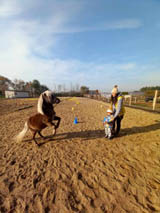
x=115 y=89
x=109 y=110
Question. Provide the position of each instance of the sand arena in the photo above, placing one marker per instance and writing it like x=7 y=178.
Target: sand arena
x=79 y=170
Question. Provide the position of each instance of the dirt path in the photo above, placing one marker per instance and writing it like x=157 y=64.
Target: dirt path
x=79 y=170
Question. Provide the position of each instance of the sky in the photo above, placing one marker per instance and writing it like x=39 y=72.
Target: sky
x=96 y=43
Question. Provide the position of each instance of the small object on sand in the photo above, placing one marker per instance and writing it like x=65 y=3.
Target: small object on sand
x=72 y=108
x=75 y=120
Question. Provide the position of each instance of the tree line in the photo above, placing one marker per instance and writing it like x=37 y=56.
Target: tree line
x=144 y=89
x=33 y=87
x=150 y=91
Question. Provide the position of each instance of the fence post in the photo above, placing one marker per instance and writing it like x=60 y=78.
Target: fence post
x=130 y=100
x=135 y=100
x=155 y=99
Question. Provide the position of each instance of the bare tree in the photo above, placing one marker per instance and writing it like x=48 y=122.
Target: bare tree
x=19 y=84
x=64 y=88
x=28 y=87
x=71 y=87
x=77 y=87
x=55 y=88
x=59 y=88
x=5 y=83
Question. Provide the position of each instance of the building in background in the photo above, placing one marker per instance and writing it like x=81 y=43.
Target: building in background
x=16 y=94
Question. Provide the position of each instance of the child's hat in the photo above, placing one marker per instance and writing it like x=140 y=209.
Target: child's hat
x=109 y=110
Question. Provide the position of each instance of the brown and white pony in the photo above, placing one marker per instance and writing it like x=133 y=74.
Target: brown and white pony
x=43 y=118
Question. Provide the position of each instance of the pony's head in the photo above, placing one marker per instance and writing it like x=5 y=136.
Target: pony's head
x=50 y=97
x=47 y=97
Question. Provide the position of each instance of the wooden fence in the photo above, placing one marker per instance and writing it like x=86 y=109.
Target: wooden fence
x=143 y=101
x=140 y=102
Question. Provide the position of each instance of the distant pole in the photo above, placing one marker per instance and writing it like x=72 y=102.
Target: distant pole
x=155 y=99
x=130 y=101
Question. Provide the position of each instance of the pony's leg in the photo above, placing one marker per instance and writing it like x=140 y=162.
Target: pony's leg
x=34 y=134
x=39 y=132
x=54 y=130
x=57 y=119
x=50 y=124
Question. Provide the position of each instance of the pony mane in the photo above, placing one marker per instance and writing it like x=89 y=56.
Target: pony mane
x=41 y=101
x=40 y=104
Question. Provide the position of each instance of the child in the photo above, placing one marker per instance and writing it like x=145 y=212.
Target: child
x=108 y=124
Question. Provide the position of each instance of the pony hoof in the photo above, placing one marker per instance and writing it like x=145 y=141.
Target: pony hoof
x=54 y=131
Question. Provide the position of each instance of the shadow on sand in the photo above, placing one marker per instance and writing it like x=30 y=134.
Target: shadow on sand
x=95 y=134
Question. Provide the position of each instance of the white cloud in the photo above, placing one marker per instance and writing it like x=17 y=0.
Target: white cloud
x=126 y=67
x=9 y=8
x=57 y=71
x=125 y=24
x=112 y=25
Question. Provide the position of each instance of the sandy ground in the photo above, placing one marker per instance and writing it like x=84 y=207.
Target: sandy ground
x=79 y=170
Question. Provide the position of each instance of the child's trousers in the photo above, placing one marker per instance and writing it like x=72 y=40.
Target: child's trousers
x=108 y=131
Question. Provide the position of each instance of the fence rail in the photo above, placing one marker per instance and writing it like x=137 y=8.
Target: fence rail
x=151 y=104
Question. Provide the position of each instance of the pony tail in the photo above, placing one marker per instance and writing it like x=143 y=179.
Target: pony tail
x=40 y=104
x=21 y=135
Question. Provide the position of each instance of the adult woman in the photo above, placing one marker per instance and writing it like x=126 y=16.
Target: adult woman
x=118 y=109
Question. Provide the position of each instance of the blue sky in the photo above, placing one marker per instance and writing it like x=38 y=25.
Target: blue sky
x=96 y=43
